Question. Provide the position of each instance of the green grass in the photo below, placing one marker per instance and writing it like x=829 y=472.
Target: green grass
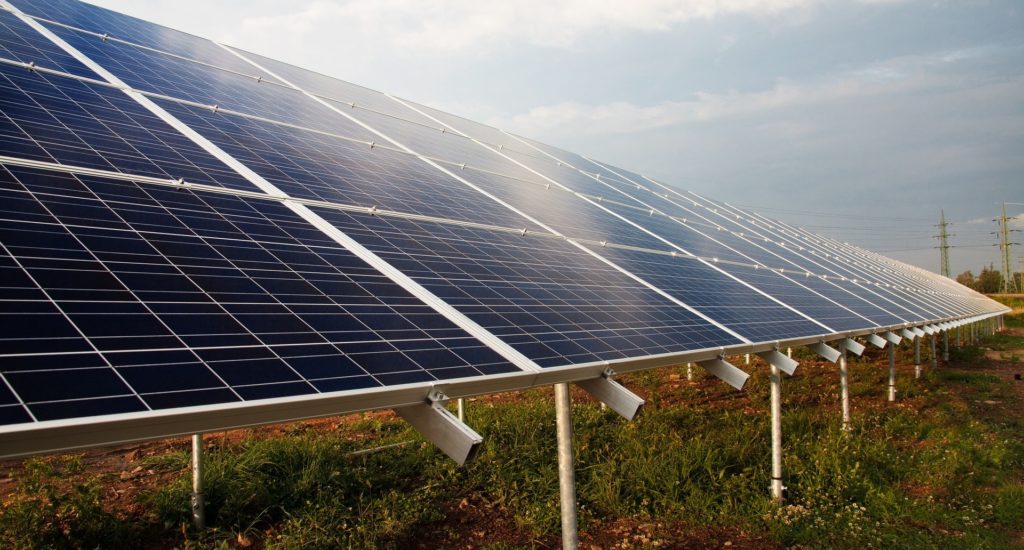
x=937 y=470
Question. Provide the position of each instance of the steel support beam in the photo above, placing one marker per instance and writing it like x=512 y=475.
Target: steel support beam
x=615 y=395
x=852 y=346
x=876 y=341
x=462 y=409
x=689 y=371
x=829 y=353
x=442 y=428
x=566 y=470
x=892 y=338
x=726 y=372
x=784 y=363
x=908 y=334
x=945 y=346
x=198 y=498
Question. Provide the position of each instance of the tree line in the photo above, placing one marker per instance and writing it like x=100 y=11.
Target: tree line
x=989 y=281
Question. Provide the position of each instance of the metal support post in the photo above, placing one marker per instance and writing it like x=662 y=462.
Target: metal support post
x=462 y=409
x=945 y=346
x=789 y=352
x=959 y=336
x=747 y=359
x=689 y=371
x=844 y=390
x=935 y=359
x=198 y=502
x=776 y=380
x=917 y=357
x=892 y=372
x=566 y=473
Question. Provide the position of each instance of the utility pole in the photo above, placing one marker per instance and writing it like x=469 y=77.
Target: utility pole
x=1009 y=284
x=943 y=247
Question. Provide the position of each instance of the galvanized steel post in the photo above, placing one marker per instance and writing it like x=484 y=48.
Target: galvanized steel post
x=566 y=473
x=776 y=405
x=917 y=357
x=844 y=390
x=935 y=359
x=198 y=502
x=892 y=372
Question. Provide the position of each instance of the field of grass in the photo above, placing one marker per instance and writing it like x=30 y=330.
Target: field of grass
x=943 y=467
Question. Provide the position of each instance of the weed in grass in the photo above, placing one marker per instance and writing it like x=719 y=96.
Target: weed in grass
x=47 y=511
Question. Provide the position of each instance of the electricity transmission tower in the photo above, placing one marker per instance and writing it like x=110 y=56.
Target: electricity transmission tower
x=943 y=247
x=1008 y=284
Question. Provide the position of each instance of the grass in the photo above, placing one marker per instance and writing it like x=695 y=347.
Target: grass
x=941 y=468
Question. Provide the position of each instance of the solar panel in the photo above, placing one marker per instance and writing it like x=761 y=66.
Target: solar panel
x=195 y=237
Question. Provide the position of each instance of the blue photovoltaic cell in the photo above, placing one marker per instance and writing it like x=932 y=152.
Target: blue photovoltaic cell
x=597 y=226
x=882 y=311
x=766 y=253
x=919 y=307
x=154 y=72
x=729 y=302
x=164 y=298
x=342 y=94
x=19 y=42
x=553 y=302
x=95 y=19
x=314 y=166
x=58 y=119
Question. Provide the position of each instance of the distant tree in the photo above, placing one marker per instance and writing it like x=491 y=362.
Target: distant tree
x=990 y=280
x=967 y=279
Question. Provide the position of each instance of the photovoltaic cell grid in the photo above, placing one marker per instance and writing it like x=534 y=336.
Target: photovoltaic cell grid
x=162 y=298
x=126 y=296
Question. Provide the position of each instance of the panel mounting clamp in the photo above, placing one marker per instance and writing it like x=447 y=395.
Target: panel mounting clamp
x=852 y=346
x=893 y=338
x=876 y=340
x=435 y=422
x=725 y=371
x=828 y=352
x=619 y=399
x=780 y=360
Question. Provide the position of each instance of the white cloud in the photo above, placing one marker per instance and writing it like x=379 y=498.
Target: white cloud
x=895 y=76
x=472 y=25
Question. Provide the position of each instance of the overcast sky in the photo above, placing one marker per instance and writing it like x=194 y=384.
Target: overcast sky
x=859 y=119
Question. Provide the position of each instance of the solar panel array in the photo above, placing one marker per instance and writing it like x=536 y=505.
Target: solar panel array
x=191 y=229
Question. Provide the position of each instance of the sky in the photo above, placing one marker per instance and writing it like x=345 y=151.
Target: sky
x=857 y=119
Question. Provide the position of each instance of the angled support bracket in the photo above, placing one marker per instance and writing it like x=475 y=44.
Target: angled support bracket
x=828 y=352
x=876 y=341
x=780 y=360
x=606 y=390
x=893 y=338
x=852 y=346
x=928 y=329
x=908 y=334
x=442 y=428
x=725 y=371
x=918 y=331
